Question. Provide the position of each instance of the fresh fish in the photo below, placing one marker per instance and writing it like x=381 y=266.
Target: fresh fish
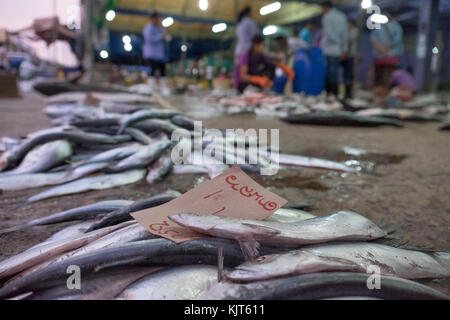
x=323 y=285
x=103 y=286
x=113 y=154
x=20 y=151
x=142 y=115
x=340 y=118
x=183 y=122
x=398 y=114
x=43 y=157
x=39 y=254
x=80 y=213
x=300 y=161
x=342 y=225
x=138 y=135
x=145 y=156
x=151 y=125
x=355 y=257
x=36 y=180
x=286 y=215
x=7 y=143
x=178 y=283
x=160 y=168
x=155 y=252
x=123 y=214
x=189 y=169
x=99 y=182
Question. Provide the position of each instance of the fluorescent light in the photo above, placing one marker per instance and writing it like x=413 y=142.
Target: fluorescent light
x=110 y=15
x=104 y=54
x=167 y=22
x=270 y=8
x=219 y=27
x=126 y=39
x=435 y=50
x=270 y=29
x=203 y=4
x=183 y=48
x=128 y=47
x=366 y=4
x=379 y=18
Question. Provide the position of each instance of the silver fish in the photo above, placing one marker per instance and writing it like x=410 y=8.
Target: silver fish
x=355 y=257
x=113 y=154
x=159 y=169
x=189 y=169
x=322 y=285
x=178 y=283
x=142 y=115
x=300 y=161
x=36 y=180
x=80 y=213
x=102 y=286
x=39 y=254
x=43 y=158
x=99 y=182
x=286 y=215
x=342 y=225
x=146 y=155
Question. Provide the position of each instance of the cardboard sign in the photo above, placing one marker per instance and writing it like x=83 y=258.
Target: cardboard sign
x=232 y=194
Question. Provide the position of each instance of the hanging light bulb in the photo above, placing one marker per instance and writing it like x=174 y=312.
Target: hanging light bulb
x=203 y=4
x=110 y=15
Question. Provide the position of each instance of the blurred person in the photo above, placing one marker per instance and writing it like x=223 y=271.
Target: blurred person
x=246 y=29
x=388 y=46
x=349 y=62
x=4 y=62
x=334 y=44
x=255 y=68
x=306 y=33
x=154 y=51
x=403 y=84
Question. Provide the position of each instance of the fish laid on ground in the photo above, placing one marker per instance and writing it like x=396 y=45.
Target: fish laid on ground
x=103 y=286
x=20 y=151
x=340 y=118
x=151 y=125
x=189 y=169
x=123 y=214
x=445 y=126
x=399 y=114
x=144 y=114
x=155 y=252
x=100 y=182
x=90 y=211
x=286 y=215
x=183 y=122
x=43 y=158
x=39 y=254
x=342 y=225
x=178 y=283
x=113 y=154
x=300 y=161
x=355 y=257
x=145 y=156
x=160 y=168
x=138 y=135
x=323 y=286
x=36 y=180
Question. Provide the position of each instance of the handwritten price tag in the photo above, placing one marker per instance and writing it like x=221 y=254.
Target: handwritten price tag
x=231 y=194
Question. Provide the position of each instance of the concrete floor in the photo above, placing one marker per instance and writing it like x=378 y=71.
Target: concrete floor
x=408 y=189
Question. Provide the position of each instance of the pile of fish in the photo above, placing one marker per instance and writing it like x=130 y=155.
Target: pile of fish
x=121 y=140
x=290 y=255
x=323 y=110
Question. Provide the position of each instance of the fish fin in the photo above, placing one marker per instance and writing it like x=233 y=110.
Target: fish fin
x=249 y=247
x=261 y=229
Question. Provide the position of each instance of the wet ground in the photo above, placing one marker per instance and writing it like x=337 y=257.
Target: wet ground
x=404 y=184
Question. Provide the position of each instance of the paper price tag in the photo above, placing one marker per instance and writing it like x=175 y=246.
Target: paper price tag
x=231 y=194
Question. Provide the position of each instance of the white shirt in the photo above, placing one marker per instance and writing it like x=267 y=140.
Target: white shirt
x=334 y=40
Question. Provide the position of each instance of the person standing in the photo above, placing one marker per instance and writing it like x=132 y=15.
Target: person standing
x=246 y=30
x=349 y=62
x=154 y=52
x=334 y=44
x=306 y=34
x=388 y=46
